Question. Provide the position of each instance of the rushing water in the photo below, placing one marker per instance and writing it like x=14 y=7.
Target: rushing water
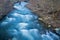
x=22 y=24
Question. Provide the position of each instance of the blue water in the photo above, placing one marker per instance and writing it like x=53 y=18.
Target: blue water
x=22 y=24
